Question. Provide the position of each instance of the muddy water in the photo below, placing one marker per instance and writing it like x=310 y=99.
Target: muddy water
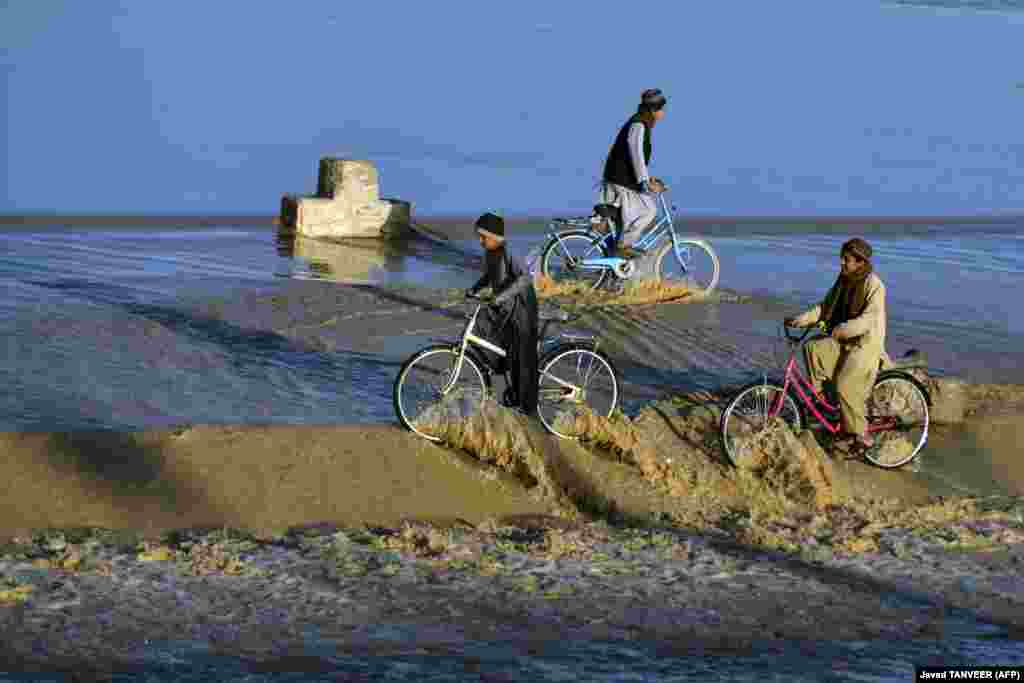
x=130 y=329
x=136 y=328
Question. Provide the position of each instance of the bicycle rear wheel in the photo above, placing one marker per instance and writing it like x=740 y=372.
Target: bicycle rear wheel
x=575 y=383
x=694 y=265
x=746 y=424
x=562 y=255
x=898 y=417
x=417 y=391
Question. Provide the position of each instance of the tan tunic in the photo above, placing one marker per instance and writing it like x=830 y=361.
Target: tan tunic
x=851 y=355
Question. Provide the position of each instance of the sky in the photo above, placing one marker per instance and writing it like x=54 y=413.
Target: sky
x=775 y=108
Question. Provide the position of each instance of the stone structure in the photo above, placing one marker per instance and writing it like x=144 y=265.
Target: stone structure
x=347 y=204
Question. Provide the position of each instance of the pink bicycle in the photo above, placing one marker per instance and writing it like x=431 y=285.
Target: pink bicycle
x=897 y=410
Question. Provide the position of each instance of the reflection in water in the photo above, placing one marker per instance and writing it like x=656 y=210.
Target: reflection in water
x=343 y=260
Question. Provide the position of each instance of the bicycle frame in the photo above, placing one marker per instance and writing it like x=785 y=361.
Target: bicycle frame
x=650 y=237
x=811 y=398
x=469 y=338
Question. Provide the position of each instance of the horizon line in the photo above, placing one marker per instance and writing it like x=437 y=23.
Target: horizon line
x=126 y=218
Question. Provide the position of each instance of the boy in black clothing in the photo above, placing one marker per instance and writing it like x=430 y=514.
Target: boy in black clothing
x=511 y=320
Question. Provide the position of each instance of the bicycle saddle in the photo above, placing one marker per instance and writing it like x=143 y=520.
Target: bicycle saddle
x=545 y=314
x=609 y=212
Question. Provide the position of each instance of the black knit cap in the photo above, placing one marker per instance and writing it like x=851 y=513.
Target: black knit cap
x=652 y=99
x=859 y=248
x=491 y=223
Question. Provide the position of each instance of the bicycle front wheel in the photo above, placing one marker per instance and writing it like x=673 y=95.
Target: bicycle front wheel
x=575 y=383
x=898 y=417
x=694 y=264
x=563 y=255
x=747 y=422
x=417 y=396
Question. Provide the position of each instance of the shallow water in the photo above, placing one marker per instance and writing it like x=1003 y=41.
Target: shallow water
x=105 y=329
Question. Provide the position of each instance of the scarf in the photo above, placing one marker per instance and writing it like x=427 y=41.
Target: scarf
x=847 y=298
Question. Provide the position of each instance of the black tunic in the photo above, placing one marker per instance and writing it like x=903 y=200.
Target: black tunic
x=512 y=323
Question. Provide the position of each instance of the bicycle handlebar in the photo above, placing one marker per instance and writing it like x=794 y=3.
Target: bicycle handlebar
x=798 y=339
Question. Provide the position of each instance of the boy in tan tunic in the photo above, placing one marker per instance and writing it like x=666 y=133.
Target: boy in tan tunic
x=853 y=315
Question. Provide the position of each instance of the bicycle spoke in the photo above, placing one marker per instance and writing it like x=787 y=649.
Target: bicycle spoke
x=898 y=418
x=562 y=259
x=419 y=401
x=689 y=262
x=590 y=369
x=747 y=424
x=573 y=387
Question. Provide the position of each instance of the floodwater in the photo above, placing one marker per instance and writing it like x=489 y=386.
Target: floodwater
x=133 y=328
x=113 y=328
x=129 y=328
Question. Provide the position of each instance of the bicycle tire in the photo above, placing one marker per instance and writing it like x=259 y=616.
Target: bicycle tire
x=893 y=452
x=553 y=247
x=556 y=421
x=663 y=273
x=795 y=413
x=409 y=421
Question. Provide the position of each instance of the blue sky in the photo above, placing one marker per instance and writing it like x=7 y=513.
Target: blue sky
x=783 y=107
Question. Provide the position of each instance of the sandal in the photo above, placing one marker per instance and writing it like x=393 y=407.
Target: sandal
x=861 y=445
x=857 y=445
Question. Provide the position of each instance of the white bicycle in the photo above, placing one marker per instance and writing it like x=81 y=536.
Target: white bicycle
x=452 y=380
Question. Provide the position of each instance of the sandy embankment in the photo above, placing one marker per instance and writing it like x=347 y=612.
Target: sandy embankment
x=260 y=478
x=272 y=477
x=697 y=565
x=707 y=561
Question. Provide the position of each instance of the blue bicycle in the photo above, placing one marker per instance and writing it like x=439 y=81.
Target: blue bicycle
x=582 y=249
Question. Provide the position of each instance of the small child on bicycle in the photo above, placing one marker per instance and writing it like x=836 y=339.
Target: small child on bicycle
x=511 y=321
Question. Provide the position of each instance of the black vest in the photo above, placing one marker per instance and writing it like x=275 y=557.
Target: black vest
x=618 y=168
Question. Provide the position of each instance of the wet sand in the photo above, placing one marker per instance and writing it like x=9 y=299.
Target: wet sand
x=376 y=472
x=708 y=590
x=271 y=477
x=989 y=453
x=260 y=478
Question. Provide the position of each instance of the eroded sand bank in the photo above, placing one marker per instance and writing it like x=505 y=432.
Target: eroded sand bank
x=275 y=476
x=494 y=539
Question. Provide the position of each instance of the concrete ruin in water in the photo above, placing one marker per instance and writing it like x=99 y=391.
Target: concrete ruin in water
x=347 y=204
